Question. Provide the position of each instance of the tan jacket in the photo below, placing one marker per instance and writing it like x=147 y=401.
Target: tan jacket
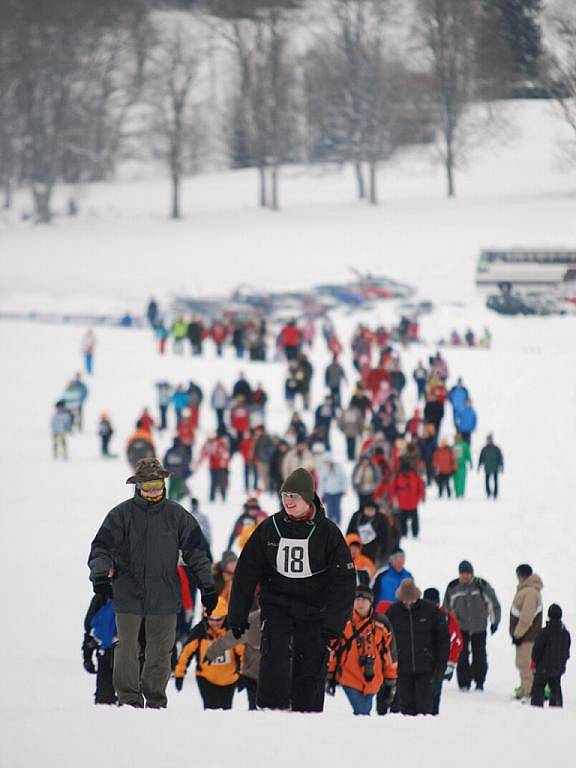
x=251 y=641
x=526 y=611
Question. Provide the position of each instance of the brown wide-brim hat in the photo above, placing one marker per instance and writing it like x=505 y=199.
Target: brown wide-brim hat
x=147 y=470
x=407 y=592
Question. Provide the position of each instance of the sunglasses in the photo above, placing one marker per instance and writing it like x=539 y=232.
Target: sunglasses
x=290 y=496
x=152 y=485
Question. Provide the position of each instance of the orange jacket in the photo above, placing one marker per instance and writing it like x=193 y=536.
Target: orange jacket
x=444 y=461
x=361 y=562
x=140 y=434
x=373 y=641
x=224 y=670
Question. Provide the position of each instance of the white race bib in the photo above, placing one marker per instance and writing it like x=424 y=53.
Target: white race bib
x=366 y=533
x=293 y=559
x=224 y=659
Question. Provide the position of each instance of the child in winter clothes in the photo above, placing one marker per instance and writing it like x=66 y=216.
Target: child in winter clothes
x=216 y=678
x=100 y=637
x=550 y=653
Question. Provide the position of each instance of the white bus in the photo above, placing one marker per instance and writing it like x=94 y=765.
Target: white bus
x=552 y=270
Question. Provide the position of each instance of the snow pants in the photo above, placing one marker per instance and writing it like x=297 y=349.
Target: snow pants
x=416 y=693
x=131 y=686
x=105 y=693
x=412 y=516
x=523 y=659
x=538 y=686
x=491 y=476
x=294 y=663
x=215 y=696
x=218 y=483
x=443 y=482
x=351 y=448
x=475 y=671
x=460 y=482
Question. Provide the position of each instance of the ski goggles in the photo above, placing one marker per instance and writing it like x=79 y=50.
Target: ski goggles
x=151 y=485
x=290 y=496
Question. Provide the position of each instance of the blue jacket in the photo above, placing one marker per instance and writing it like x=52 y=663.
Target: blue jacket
x=180 y=400
x=465 y=420
x=104 y=626
x=386 y=583
x=458 y=396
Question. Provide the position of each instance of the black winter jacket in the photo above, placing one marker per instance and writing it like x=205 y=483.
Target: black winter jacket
x=421 y=636
x=328 y=593
x=551 y=649
x=141 y=542
x=374 y=533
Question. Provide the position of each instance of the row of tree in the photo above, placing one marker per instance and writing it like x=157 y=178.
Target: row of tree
x=251 y=83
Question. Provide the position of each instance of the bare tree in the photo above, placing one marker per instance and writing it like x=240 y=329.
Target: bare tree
x=174 y=74
x=561 y=64
x=447 y=29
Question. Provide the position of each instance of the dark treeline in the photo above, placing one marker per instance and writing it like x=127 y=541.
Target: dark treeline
x=249 y=83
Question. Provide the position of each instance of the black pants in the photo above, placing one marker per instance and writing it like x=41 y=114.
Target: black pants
x=105 y=693
x=475 y=671
x=249 y=685
x=538 y=686
x=163 y=415
x=293 y=665
x=351 y=448
x=443 y=482
x=105 y=439
x=215 y=696
x=218 y=483
x=219 y=419
x=416 y=693
x=438 y=680
x=494 y=477
x=412 y=516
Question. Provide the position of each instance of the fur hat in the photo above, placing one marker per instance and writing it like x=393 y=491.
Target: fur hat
x=407 y=592
x=300 y=481
x=146 y=470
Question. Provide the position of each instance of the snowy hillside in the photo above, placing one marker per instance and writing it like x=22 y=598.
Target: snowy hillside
x=120 y=251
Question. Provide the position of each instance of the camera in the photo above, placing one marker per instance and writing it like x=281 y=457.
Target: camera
x=368 y=663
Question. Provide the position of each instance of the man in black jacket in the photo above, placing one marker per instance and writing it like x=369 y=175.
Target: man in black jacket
x=307 y=584
x=423 y=641
x=134 y=559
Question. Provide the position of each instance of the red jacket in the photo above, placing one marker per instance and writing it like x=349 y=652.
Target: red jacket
x=290 y=336
x=247 y=449
x=218 y=332
x=456 y=642
x=444 y=461
x=147 y=422
x=217 y=452
x=375 y=376
x=187 y=431
x=408 y=488
x=240 y=418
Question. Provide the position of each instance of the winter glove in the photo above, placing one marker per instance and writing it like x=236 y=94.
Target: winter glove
x=329 y=635
x=493 y=628
x=178 y=682
x=388 y=692
x=239 y=629
x=102 y=586
x=330 y=684
x=89 y=665
x=449 y=673
x=209 y=600
x=516 y=641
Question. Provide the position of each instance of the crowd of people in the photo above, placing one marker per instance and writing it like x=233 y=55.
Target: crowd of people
x=293 y=584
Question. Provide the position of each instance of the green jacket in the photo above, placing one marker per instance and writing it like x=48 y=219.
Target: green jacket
x=463 y=456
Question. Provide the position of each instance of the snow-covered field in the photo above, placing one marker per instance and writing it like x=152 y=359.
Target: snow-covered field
x=524 y=389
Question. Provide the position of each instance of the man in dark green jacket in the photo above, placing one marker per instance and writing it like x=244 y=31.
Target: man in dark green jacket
x=493 y=462
x=134 y=559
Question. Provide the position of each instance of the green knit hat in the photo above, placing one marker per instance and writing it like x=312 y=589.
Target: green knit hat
x=300 y=481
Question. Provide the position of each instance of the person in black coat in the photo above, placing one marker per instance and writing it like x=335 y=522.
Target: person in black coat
x=423 y=641
x=307 y=585
x=550 y=653
x=372 y=527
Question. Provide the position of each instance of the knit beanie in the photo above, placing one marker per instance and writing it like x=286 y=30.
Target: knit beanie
x=432 y=595
x=364 y=591
x=554 y=612
x=465 y=567
x=300 y=481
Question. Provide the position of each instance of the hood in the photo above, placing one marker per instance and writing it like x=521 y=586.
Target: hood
x=353 y=538
x=534 y=582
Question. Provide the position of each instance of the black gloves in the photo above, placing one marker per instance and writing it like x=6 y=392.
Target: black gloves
x=330 y=684
x=516 y=641
x=388 y=692
x=493 y=628
x=239 y=629
x=328 y=635
x=209 y=600
x=102 y=586
x=89 y=665
x=178 y=682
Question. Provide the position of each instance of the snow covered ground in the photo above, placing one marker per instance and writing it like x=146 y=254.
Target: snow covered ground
x=524 y=389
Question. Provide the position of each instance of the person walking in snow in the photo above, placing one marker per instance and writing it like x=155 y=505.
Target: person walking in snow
x=474 y=603
x=525 y=623
x=307 y=584
x=493 y=462
x=456 y=645
x=444 y=463
x=461 y=450
x=88 y=346
x=105 y=432
x=133 y=559
x=465 y=421
x=389 y=578
x=60 y=426
x=164 y=392
x=550 y=654
x=332 y=485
